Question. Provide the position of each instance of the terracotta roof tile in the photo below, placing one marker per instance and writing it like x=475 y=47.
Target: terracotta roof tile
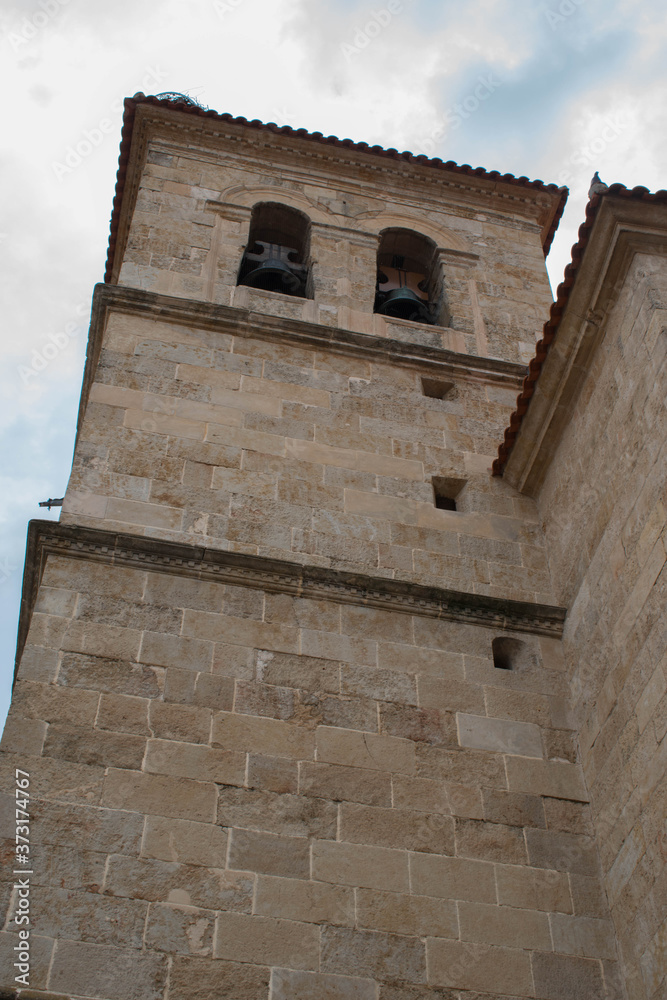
x=558 y=308
x=191 y=108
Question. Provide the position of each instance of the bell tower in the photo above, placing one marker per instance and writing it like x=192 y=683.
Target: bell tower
x=291 y=690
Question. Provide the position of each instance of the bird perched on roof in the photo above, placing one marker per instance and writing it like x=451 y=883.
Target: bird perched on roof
x=597 y=186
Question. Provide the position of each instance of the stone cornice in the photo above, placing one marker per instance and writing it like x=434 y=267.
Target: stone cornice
x=273 y=575
x=432 y=361
x=623 y=227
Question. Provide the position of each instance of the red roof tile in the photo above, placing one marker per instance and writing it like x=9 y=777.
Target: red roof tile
x=558 y=308
x=188 y=107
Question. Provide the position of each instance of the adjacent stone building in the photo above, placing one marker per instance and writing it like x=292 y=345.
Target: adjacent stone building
x=318 y=698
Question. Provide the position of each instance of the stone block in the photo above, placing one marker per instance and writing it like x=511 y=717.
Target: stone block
x=366 y=750
x=38 y=664
x=119 y=676
x=554 y=778
x=361 y=953
x=87 y=916
x=286 y=984
x=190 y=688
x=354 y=864
x=504 y=926
x=159 y=795
x=53 y=703
x=94 y=746
x=383 y=685
x=269 y=854
x=270 y=812
x=175 y=651
x=180 y=929
x=583 y=936
x=355 y=784
x=41 y=949
x=422 y=725
x=419 y=794
x=338 y=647
x=85 y=969
x=490 y=841
x=122 y=713
x=202 y=979
x=406 y=991
x=86 y=828
x=533 y=888
x=558 y=977
x=562 y=851
x=452 y=878
x=184 y=885
x=522 y=706
x=58 y=780
x=108 y=641
x=23 y=736
x=274 y=774
x=265 y=941
x=184 y=842
x=479 y=967
x=513 y=808
x=567 y=816
x=499 y=735
x=450 y=693
x=265 y=736
x=192 y=760
x=588 y=896
x=397 y=913
x=186 y=723
x=297 y=899
x=240 y=631
x=309 y=673
x=399 y=828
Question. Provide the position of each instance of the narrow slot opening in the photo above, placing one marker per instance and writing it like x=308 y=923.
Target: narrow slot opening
x=436 y=388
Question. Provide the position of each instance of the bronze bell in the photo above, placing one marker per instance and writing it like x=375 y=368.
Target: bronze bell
x=399 y=294
x=272 y=270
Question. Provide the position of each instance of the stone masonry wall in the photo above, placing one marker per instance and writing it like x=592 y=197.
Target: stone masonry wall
x=603 y=506
x=249 y=794
x=273 y=449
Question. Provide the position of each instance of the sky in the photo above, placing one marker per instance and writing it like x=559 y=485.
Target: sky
x=552 y=90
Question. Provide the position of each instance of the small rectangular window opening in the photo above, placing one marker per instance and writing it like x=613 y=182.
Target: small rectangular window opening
x=445 y=492
x=507 y=653
x=436 y=388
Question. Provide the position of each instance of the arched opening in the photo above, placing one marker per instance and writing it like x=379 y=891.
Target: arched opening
x=276 y=256
x=409 y=284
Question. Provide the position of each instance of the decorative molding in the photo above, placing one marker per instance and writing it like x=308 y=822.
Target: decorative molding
x=233 y=213
x=461 y=258
x=273 y=575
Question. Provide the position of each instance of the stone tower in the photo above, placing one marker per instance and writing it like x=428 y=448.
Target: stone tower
x=296 y=670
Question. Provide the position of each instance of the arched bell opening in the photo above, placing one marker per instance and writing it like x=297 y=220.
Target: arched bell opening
x=276 y=256
x=409 y=284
